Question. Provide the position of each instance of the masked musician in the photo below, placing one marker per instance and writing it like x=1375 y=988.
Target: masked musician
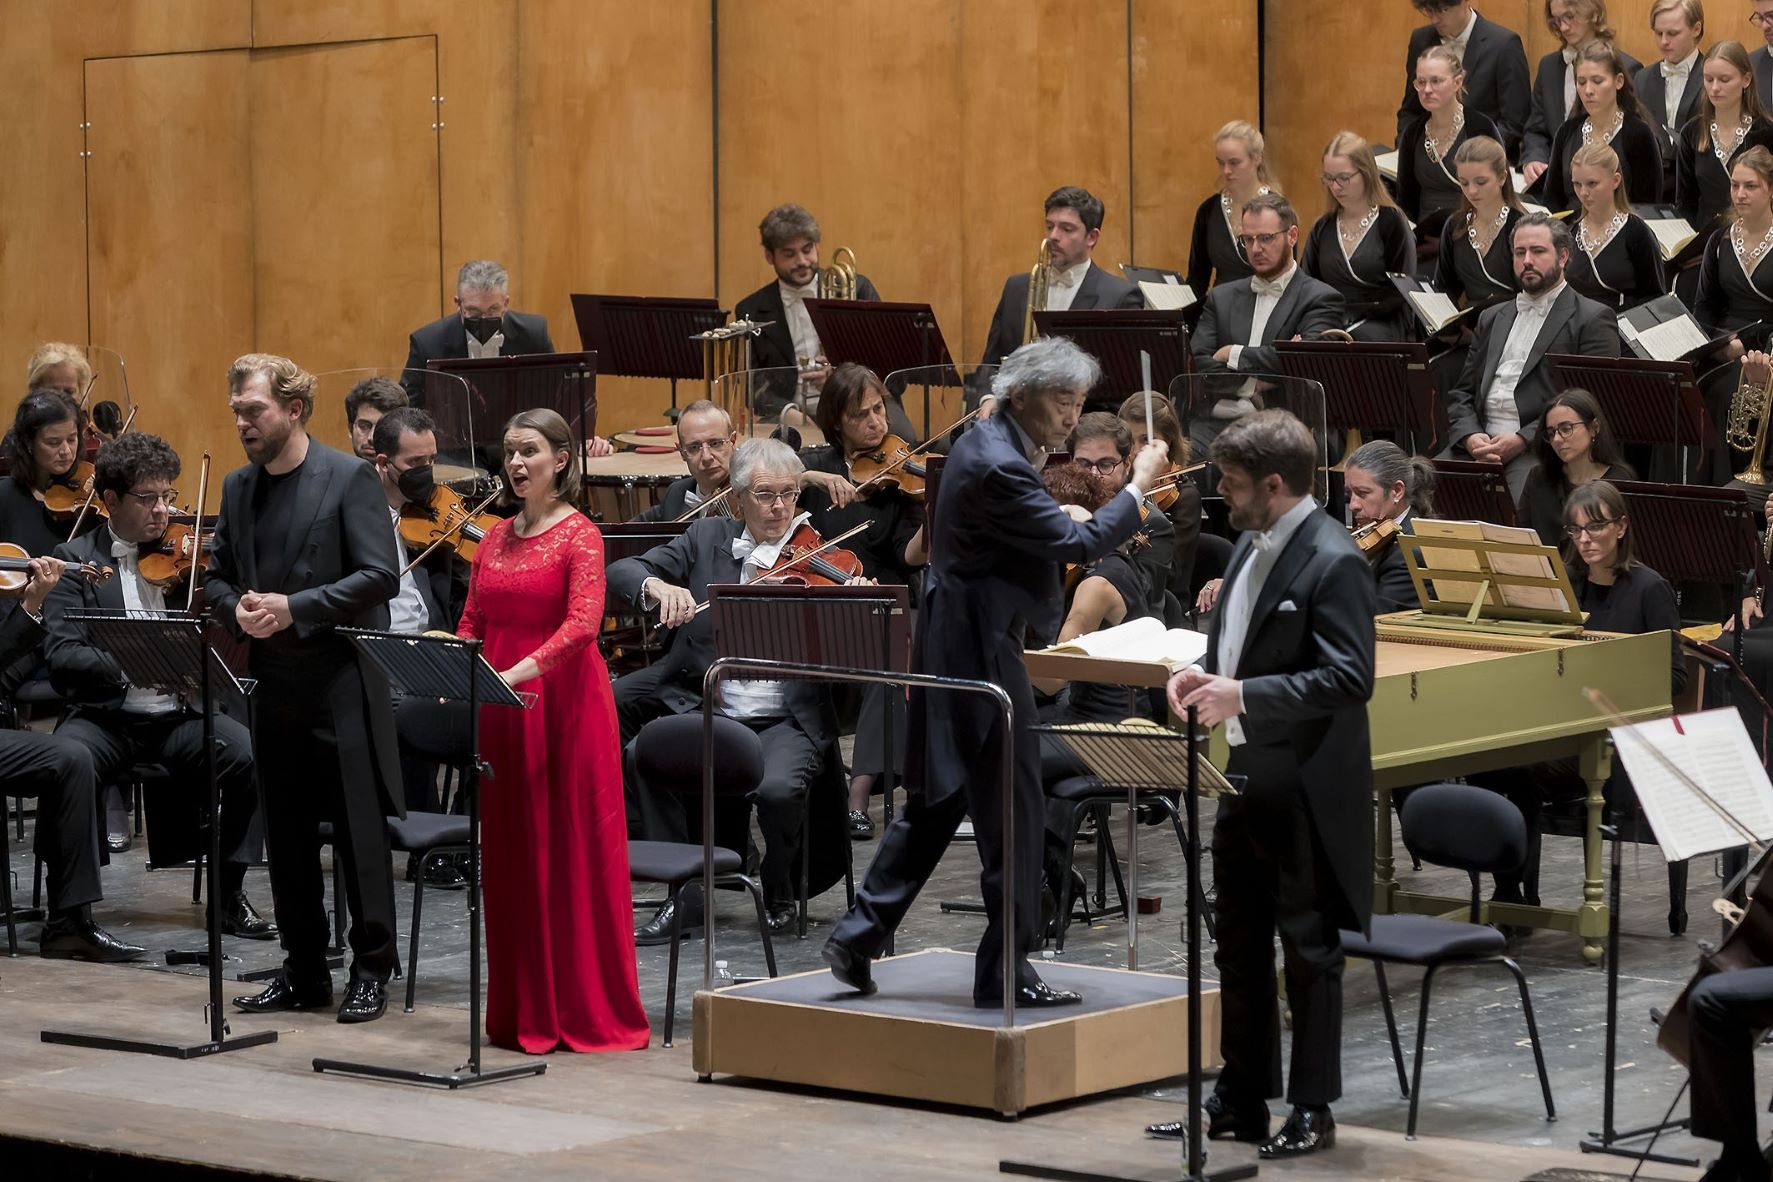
x=705 y=440
x=120 y=724
x=365 y=405
x=795 y=719
x=1385 y=483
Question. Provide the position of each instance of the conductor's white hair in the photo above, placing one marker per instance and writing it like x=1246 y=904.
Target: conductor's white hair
x=755 y=456
x=1047 y=365
x=482 y=275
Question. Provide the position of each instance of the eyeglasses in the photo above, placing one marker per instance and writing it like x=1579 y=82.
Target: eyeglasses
x=1429 y=83
x=150 y=499
x=769 y=497
x=1099 y=467
x=1567 y=19
x=1337 y=180
x=1248 y=240
x=1759 y=19
x=1593 y=527
x=1564 y=430
x=710 y=446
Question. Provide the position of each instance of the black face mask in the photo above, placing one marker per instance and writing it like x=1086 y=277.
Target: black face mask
x=483 y=328
x=416 y=484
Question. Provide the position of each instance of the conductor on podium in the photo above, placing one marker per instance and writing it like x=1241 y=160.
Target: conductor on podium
x=993 y=580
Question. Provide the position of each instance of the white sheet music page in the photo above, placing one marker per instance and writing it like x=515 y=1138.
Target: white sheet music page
x=1713 y=750
x=1672 y=339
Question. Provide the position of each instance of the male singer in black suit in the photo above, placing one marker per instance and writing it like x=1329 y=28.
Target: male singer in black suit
x=993 y=579
x=1493 y=410
x=120 y=724
x=1670 y=88
x=790 y=238
x=1288 y=671
x=302 y=546
x=1496 y=81
x=1074 y=226
x=1760 y=15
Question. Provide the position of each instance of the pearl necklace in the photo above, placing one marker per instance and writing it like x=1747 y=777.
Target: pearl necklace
x=1471 y=234
x=1753 y=256
x=1351 y=241
x=1717 y=146
x=1595 y=246
x=1588 y=128
x=1432 y=146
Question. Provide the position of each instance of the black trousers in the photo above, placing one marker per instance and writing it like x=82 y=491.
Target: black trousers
x=307 y=777
x=1271 y=874
x=118 y=740
x=1728 y=1010
x=59 y=773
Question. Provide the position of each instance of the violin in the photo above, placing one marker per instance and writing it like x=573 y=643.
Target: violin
x=1376 y=537
x=891 y=465
x=806 y=559
x=15 y=570
x=68 y=495
x=170 y=560
x=445 y=518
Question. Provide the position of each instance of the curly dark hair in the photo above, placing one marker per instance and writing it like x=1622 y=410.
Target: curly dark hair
x=127 y=460
x=384 y=394
x=1070 y=484
x=36 y=410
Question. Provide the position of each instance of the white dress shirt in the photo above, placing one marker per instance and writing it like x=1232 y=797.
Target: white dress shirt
x=139 y=595
x=751 y=701
x=494 y=343
x=1268 y=295
x=406 y=611
x=1244 y=592
x=1674 y=83
x=800 y=321
x=1459 y=40
x=1569 y=56
x=1062 y=286
x=1502 y=415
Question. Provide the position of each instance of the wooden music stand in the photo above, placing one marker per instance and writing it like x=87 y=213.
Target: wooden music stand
x=882 y=336
x=1370 y=386
x=1644 y=401
x=646 y=336
x=1471 y=490
x=1115 y=337
x=565 y=383
x=1462 y=597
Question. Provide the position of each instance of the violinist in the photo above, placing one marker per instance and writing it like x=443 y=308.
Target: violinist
x=44 y=446
x=1180 y=502
x=705 y=440
x=120 y=724
x=1384 y=483
x=795 y=719
x=853 y=412
x=1103 y=445
x=56 y=365
x=365 y=405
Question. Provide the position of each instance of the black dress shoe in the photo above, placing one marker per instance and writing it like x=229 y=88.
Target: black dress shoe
x=240 y=918
x=282 y=994
x=1307 y=1130
x=848 y=965
x=861 y=827
x=365 y=1001
x=1224 y=1123
x=443 y=873
x=781 y=917
x=119 y=843
x=84 y=940
x=657 y=930
x=1036 y=996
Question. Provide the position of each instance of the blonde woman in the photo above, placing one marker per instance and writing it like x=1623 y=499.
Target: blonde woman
x=56 y=365
x=1241 y=155
x=1616 y=261
x=1731 y=120
x=1361 y=238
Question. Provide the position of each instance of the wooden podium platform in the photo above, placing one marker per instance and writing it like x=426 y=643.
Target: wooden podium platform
x=919 y=1037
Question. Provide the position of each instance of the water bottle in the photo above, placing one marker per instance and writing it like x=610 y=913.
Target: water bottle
x=722 y=975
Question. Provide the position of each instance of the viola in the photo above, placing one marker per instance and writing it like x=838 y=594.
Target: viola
x=15 y=570
x=891 y=465
x=448 y=519
x=806 y=559
x=170 y=560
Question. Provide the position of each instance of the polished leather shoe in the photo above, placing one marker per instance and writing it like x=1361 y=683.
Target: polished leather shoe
x=657 y=930
x=84 y=940
x=848 y=965
x=119 y=843
x=365 y=1001
x=240 y=918
x=1224 y=1123
x=444 y=874
x=1307 y=1130
x=1033 y=997
x=280 y=994
x=781 y=917
x=861 y=827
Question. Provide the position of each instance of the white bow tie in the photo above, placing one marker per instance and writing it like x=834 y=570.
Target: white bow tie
x=1065 y=278
x=743 y=547
x=1268 y=287
x=1524 y=303
x=124 y=551
x=1680 y=71
x=1262 y=542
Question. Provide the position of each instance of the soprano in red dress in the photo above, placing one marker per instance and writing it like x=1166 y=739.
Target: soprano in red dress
x=559 y=920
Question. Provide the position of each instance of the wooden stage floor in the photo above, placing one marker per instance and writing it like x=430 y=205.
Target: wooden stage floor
x=264 y=1112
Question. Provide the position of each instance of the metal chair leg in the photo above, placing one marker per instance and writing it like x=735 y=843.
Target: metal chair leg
x=1105 y=845
x=763 y=927
x=1551 y=1112
x=806 y=867
x=1207 y=917
x=1421 y=1037
x=1397 y=1051
x=412 y=953
x=1063 y=915
x=6 y=894
x=197 y=879
x=676 y=938
x=136 y=801
x=36 y=882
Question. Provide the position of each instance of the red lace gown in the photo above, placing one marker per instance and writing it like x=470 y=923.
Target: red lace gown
x=559 y=921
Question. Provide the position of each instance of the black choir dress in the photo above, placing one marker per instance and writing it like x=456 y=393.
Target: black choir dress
x=1461 y=274
x=1622 y=269
x=1428 y=189
x=1376 y=311
x=1702 y=180
x=1213 y=254
x=1735 y=291
x=1640 y=162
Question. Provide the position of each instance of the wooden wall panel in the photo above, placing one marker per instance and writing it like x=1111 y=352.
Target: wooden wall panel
x=1200 y=51
x=171 y=239
x=344 y=205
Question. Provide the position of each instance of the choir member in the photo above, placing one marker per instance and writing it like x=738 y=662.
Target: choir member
x=1735 y=280
x=1361 y=239
x=1496 y=80
x=1574 y=448
x=1386 y=483
x=1731 y=120
x=1474 y=263
x=365 y=405
x=1670 y=89
x=1616 y=261
x=1427 y=185
x=1184 y=510
x=1213 y=253
x=1607 y=111
x=1576 y=23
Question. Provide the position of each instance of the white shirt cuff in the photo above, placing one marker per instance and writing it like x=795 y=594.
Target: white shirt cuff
x=1237 y=351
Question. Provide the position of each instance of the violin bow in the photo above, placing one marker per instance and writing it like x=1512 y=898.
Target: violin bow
x=1173 y=481
x=913 y=453
x=197 y=534
x=707 y=504
x=476 y=511
x=86 y=505
x=783 y=565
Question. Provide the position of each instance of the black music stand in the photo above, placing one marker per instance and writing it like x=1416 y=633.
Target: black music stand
x=1125 y=766
x=1369 y=386
x=1471 y=490
x=168 y=653
x=1115 y=337
x=565 y=383
x=882 y=336
x=1646 y=402
x=452 y=670
x=646 y=336
x=1698 y=534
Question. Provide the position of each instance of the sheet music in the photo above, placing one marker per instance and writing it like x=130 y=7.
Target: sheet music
x=1671 y=340
x=1712 y=749
x=1436 y=308
x=1168 y=296
x=1144 y=639
x=1672 y=234
x=1387 y=162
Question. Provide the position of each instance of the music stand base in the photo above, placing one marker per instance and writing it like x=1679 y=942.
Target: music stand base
x=1614 y=1145
x=451 y=1080
x=110 y=1042
x=271 y=974
x=1040 y=1170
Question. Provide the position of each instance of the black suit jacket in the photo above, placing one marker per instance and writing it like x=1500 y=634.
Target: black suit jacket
x=1391 y=576
x=1099 y=289
x=1549 y=108
x=448 y=337
x=1307 y=672
x=1762 y=61
x=1496 y=81
x=674 y=504
x=1576 y=325
x=773 y=348
x=343 y=565
x=1306 y=308
x=1652 y=91
x=82 y=673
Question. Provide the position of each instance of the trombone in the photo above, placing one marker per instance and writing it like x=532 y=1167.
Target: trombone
x=838 y=281
x=1040 y=277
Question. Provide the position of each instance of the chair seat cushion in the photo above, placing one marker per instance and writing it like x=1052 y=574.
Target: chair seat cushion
x=1423 y=939
x=674 y=862
x=418 y=832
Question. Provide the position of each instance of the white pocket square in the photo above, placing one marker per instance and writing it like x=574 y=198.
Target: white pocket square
x=1286 y=605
